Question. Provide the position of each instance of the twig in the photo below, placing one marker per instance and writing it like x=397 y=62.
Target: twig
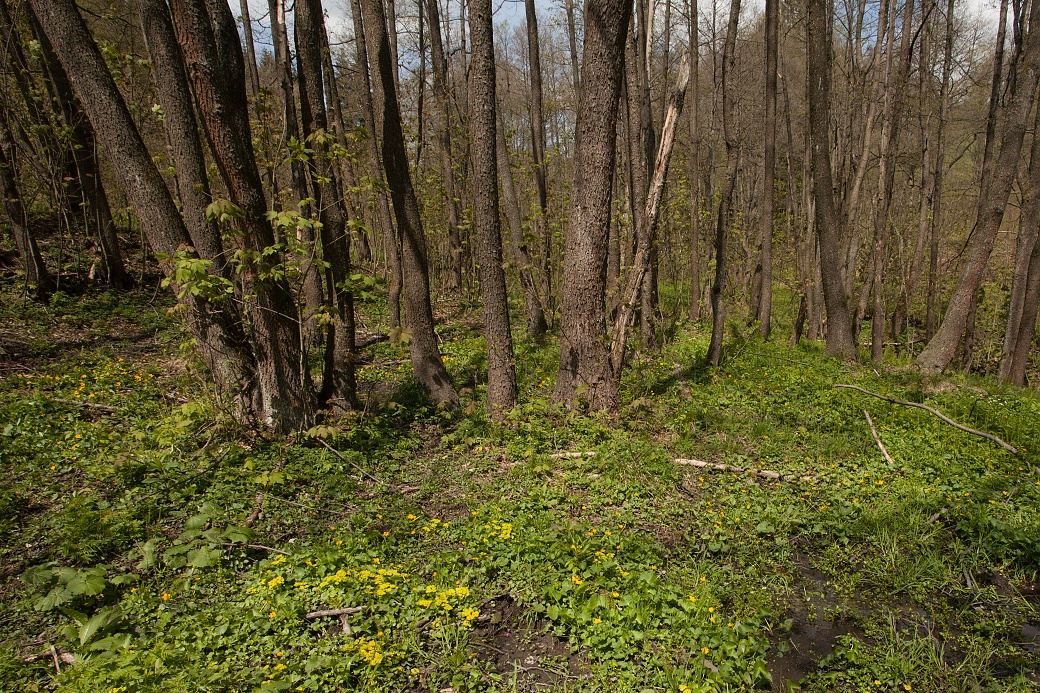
x=936 y=516
x=337 y=453
x=54 y=654
x=260 y=547
x=570 y=455
x=877 y=438
x=764 y=473
x=962 y=427
x=327 y=613
x=86 y=405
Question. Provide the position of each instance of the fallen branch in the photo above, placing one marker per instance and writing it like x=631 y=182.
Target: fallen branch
x=764 y=473
x=259 y=547
x=936 y=516
x=328 y=613
x=570 y=455
x=877 y=438
x=962 y=427
x=86 y=405
x=338 y=454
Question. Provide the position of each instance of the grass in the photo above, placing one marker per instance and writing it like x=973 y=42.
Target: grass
x=483 y=563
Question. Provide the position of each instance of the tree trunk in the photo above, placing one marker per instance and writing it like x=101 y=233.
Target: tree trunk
x=718 y=306
x=482 y=105
x=940 y=351
x=585 y=371
x=375 y=165
x=426 y=361
x=440 y=91
x=340 y=382
x=88 y=172
x=1028 y=226
x=219 y=336
x=573 y=45
x=36 y=273
x=818 y=36
x=182 y=133
x=940 y=169
x=252 y=74
x=765 y=303
x=538 y=142
x=536 y=325
x=213 y=56
x=694 y=156
x=894 y=98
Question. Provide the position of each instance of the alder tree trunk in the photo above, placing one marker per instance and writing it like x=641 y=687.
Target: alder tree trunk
x=219 y=336
x=375 y=165
x=1028 y=226
x=585 y=371
x=536 y=325
x=84 y=156
x=694 y=164
x=36 y=274
x=213 y=56
x=252 y=74
x=572 y=44
x=840 y=341
x=340 y=381
x=942 y=348
x=718 y=286
x=937 y=179
x=765 y=301
x=482 y=108
x=440 y=91
x=426 y=361
x=534 y=57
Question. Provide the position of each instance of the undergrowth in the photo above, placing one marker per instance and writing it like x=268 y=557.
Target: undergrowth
x=155 y=545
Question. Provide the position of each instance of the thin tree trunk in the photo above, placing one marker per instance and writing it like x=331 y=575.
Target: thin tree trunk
x=765 y=303
x=940 y=351
x=220 y=339
x=538 y=142
x=718 y=287
x=213 y=55
x=924 y=72
x=483 y=127
x=426 y=361
x=1028 y=226
x=894 y=98
x=1027 y=326
x=375 y=165
x=840 y=341
x=940 y=169
x=84 y=154
x=440 y=91
x=252 y=74
x=536 y=325
x=694 y=156
x=36 y=273
x=340 y=381
x=573 y=45
x=585 y=371
x=391 y=27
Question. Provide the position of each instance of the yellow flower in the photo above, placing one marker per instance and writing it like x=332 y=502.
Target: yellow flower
x=166 y=596
x=575 y=579
x=711 y=609
x=272 y=614
x=704 y=650
x=597 y=621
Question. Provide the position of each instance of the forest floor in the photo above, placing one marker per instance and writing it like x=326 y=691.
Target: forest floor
x=149 y=544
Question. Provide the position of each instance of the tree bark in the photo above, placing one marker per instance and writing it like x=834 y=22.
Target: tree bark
x=573 y=45
x=219 y=337
x=252 y=73
x=440 y=91
x=765 y=303
x=36 y=273
x=482 y=105
x=536 y=325
x=426 y=361
x=534 y=56
x=718 y=305
x=213 y=56
x=340 y=381
x=585 y=371
x=88 y=171
x=695 y=199
x=840 y=341
x=941 y=349
x=375 y=165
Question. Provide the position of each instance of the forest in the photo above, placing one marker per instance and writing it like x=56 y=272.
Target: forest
x=540 y=345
